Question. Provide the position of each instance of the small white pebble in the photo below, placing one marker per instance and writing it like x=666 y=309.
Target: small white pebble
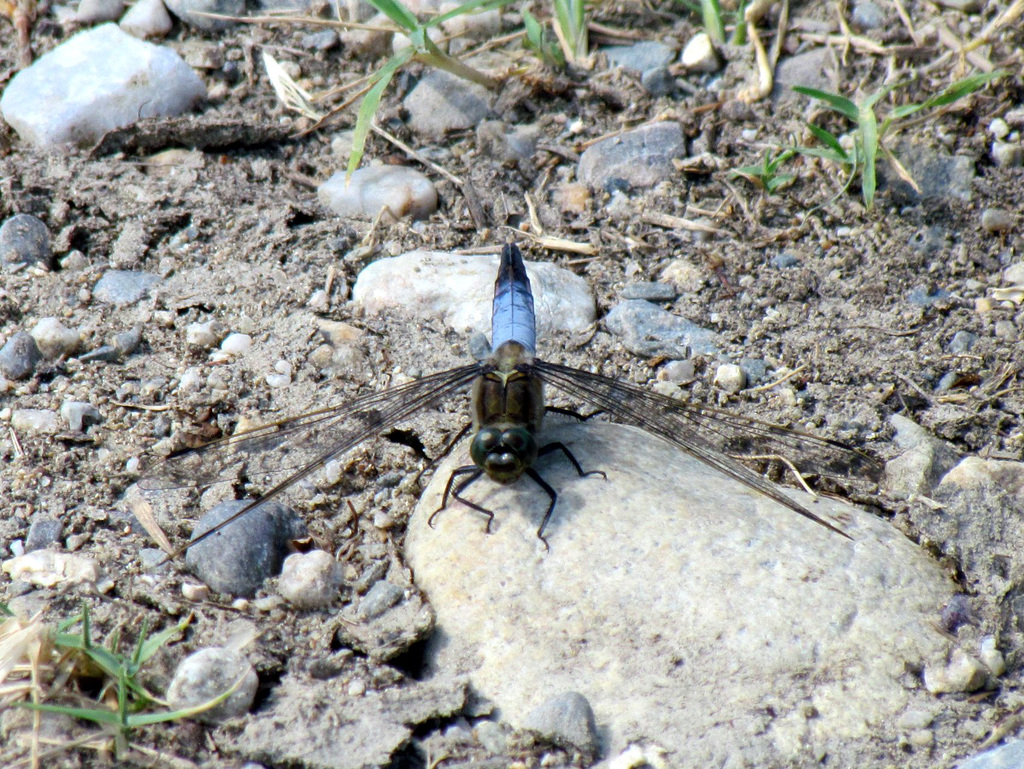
x=998 y=128
x=204 y=335
x=236 y=344
x=332 y=472
x=991 y=657
x=195 y=593
x=192 y=379
x=17 y=548
x=730 y=377
x=240 y=604
x=132 y=465
x=356 y=688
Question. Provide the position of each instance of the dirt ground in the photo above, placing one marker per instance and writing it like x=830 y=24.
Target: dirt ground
x=238 y=235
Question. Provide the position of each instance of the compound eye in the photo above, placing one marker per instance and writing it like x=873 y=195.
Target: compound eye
x=517 y=439
x=484 y=442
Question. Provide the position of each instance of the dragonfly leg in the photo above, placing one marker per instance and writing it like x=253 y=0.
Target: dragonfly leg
x=572 y=459
x=551 y=508
x=571 y=413
x=444 y=452
x=474 y=474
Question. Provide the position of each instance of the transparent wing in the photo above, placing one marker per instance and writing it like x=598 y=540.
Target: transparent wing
x=711 y=435
x=304 y=443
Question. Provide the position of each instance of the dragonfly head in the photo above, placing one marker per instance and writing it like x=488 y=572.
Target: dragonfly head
x=503 y=453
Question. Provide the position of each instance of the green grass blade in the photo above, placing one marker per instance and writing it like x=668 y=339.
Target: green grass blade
x=152 y=645
x=96 y=715
x=963 y=88
x=397 y=12
x=840 y=104
x=830 y=141
x=371 y=101
x=472 y=6
x=869 y=139
x=711 y=16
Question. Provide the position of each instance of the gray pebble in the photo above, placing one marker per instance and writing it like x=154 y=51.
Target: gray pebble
x=238 y=558
x=442 y=102
x=642 y=157
x=42 y=533
x=310 y=580
x=566 y=720
x=403 y=191
x=1006 y=330
x=128 y=341
x=658 y=81
x=491 y=736
x=646 y=329
x=382 y=596
x=373 y=574
x=678 y=371
x=19 y=356
x=98 y=11
x=1007 y=154
x=123 y=286
x=79 y=415
x=867 y=15
x=996 y=220
x=1007 y=756
x=650 y=291
x=755 y=369
x=640 y=57
x=947 y=381
x=925 y=297
x=147 y=18
x=43 y=421
x=784 y=261
x=25 y=239
x=186 y=11
x=961 y=342
x=323 y=40
x=928 y=240
x=153 y=560
x=964 y=6
x=208 y=673
x=105 y=354
x=54 y=339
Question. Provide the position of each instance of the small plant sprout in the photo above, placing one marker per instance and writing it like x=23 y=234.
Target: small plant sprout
x=767 y=176
x=869 y=135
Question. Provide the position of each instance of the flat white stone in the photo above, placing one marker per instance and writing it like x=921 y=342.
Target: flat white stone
x=688 y=610
x=460 y=290
x=98 y=80
x=403 y=191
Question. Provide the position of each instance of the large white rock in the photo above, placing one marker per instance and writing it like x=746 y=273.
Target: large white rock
x=98 y=80
x=460 y=289
x=688 y=610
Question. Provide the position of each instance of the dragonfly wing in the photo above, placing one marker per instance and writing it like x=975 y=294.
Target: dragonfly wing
x=301 y=444
x=711 y=435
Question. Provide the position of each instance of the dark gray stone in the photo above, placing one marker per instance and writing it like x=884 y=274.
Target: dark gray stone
x=643 y=157
x=755 y=369
x=649 y=291
x=815 y=68
x=24 y=239
x=324 y=40
x=937 y=174
x=648 y=330
x=127 y=341
x=123 y=286
x=238 y=558
x=924 y=296
x=658 y=81
x=19 y=356
x=42 y=533
x=566 y=720
x=961 y=342
x=785 y=260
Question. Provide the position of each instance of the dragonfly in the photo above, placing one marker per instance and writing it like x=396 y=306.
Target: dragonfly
x=508 y=408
